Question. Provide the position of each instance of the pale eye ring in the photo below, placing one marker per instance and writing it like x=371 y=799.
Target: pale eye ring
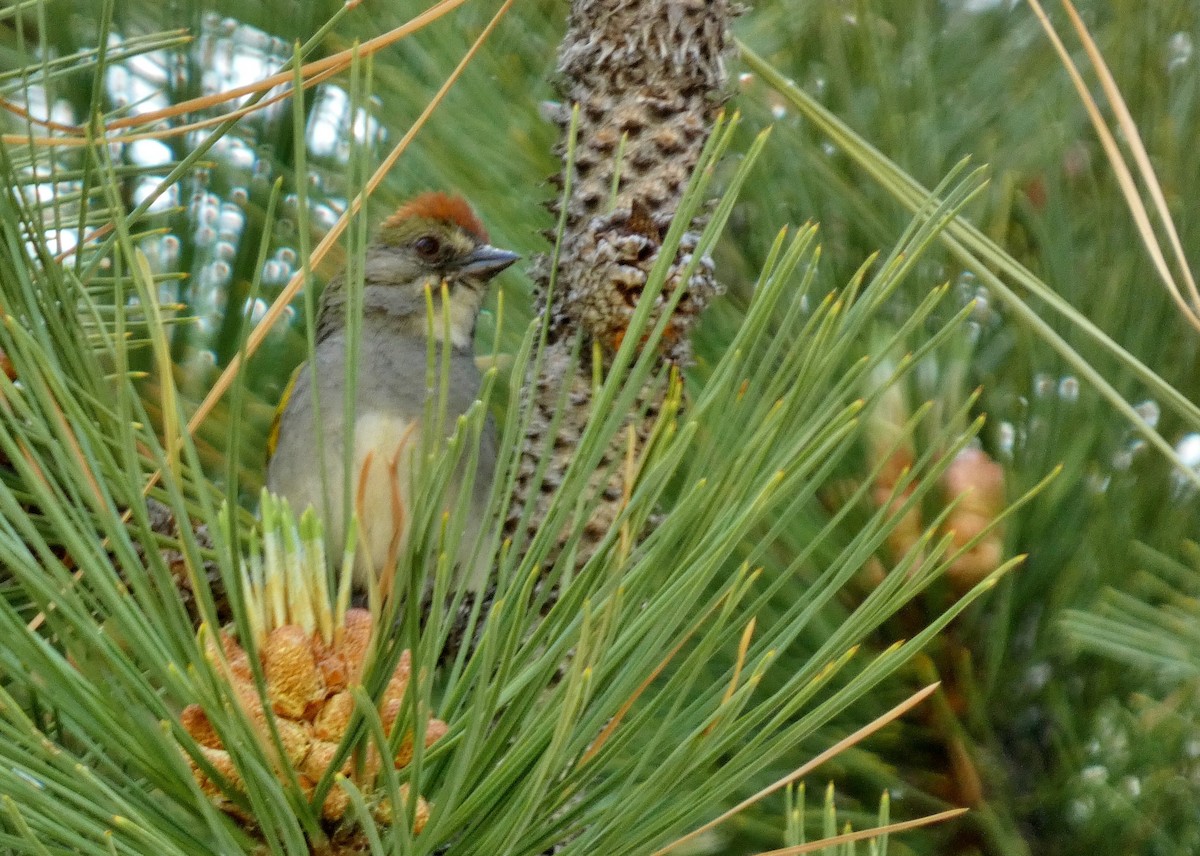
x=427 y=246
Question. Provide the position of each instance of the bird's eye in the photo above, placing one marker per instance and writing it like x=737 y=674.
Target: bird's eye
x=428 y=246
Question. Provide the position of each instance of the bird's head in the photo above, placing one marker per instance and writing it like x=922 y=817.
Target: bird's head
x=432 y=239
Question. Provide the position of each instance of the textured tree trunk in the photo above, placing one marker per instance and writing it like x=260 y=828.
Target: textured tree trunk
x=648 y=77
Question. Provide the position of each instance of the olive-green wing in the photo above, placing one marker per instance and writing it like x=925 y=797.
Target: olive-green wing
x=273 y=434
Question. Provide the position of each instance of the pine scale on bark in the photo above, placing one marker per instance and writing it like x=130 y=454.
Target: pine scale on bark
x=648 y=77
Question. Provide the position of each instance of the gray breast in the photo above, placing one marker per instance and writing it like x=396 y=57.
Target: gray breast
x=393 y=382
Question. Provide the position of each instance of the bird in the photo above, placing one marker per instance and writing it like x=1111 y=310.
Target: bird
x=433 y=240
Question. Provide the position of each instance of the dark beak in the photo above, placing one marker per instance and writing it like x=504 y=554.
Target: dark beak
x=485 y=261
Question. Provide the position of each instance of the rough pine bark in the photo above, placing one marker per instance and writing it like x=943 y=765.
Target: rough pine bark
x=648 y=77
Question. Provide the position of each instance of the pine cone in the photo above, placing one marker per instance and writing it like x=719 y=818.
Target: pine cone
x=310 y=696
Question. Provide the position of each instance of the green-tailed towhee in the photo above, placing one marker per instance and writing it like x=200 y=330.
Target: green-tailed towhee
x=433 y=239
